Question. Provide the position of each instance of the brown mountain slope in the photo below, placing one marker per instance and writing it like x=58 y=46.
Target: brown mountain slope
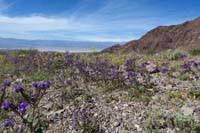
x=184 y=36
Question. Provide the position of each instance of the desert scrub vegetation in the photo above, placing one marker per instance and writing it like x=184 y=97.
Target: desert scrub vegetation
x=159 y=119
x=195 y=93
x=195 y=52
x=95 y=92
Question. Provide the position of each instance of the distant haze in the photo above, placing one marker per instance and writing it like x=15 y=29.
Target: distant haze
x=54 y=45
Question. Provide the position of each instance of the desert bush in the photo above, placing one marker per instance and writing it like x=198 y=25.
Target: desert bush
x=177 y=56
x=195 y=93
x=175 y=94
x=141 y=92
x=194 y=52
x=160 y=119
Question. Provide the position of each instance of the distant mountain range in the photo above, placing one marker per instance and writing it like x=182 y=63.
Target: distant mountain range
x=52 y=45
x=184 y=36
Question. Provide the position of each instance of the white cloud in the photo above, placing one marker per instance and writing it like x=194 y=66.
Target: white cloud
x=113 y=21
x=78 y=28
x=34 y=23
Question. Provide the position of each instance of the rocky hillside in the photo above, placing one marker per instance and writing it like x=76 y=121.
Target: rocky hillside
x=184 y=36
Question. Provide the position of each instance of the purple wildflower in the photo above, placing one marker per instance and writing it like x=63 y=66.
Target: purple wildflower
x=41 y=85
x=183 y=71
x=164 y=70
x=22 y=107
x=182 y=56
x=68 y=82
x=6 y=104
x=8 y=123
x=83 y=112
x=46 y=84
x=191 y=78
x=35 y=84
x=186 y=65
x=131 y=74
x=7 y=82
x=129 y=82
x=129 y=62
x=196 y=63
x=2 y=88
x=18 y=88
x=16 y=60
x=144 y=64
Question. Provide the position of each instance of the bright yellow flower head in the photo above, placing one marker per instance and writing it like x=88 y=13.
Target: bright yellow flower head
x=22 y=55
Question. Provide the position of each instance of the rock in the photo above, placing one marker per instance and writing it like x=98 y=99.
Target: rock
x=96 y=114
x=19 y=80
x=151 y=67
x=48 y=106
x=125 y=105
x=154 y=97
x=116 y=124
x=124 y=115
x=139 y=129
x=116 y=107
x=187 y=110
x=170 y=130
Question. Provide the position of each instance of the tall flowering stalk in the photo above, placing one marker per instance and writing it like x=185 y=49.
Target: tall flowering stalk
x=27 y=109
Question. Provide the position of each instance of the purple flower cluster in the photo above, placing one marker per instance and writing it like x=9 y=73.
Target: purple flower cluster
x=2 y=88
x=22 y=107
x=182 y=56
x=144 y=64
x=183 y=71
x=18 y=88
x=8 y=123
x=131 y=74
x=186 y=67
x=7 y=82
x=41 y=85
x=129 y=62
x=196 y=63
x=68 y=81
x=16 y=59
x=164 y=70
x=6 y=104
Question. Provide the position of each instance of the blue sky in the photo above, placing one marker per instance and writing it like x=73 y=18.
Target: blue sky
x=91 y=20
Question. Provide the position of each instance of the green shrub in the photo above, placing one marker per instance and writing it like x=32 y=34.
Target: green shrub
x=175 y=94
x=175 y=56
x=141 y=92
x=183 y=76
x=195 y=52
x=159 y=119
x=195 y=93
x=39 y=76
x=172 y=54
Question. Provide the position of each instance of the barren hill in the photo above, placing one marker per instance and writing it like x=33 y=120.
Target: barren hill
x=184 y=36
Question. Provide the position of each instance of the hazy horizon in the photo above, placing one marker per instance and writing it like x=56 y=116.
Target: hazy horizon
x=55 y=45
